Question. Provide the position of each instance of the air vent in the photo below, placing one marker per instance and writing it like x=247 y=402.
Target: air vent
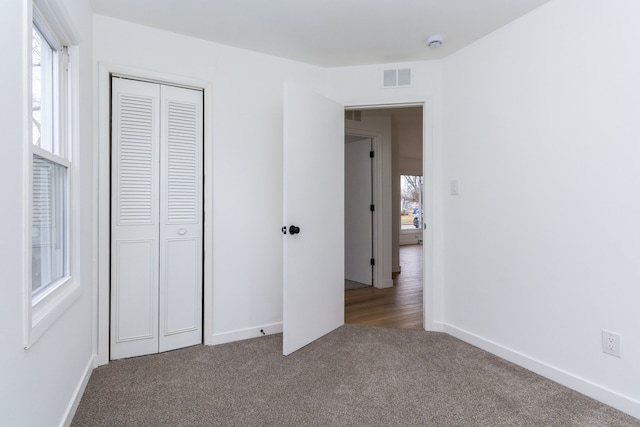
x=355 y=115
x=396 y=77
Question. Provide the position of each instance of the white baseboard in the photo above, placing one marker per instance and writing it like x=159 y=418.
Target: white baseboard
x=385 y=284
x=412 y=237
x=243 y=334
x=586 y=387
x=79 y=391
x=434 y=327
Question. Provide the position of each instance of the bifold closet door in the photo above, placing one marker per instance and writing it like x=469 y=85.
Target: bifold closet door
x=180 y=218
x=135 y=217
x=156 y=218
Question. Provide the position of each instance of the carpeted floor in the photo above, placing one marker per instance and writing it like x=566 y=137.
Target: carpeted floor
x=354 y=376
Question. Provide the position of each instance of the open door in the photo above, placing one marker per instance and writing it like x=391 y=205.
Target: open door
x=358 y=213
x=313 y=149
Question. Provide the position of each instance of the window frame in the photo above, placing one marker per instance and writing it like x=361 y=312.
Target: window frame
x=44 y=306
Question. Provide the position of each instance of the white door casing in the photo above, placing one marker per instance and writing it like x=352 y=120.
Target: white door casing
x=357 y=213
x=156 y=225
x=313 y=285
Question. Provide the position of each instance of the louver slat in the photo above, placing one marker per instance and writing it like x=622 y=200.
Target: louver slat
x=181 y=162
x=135 y=160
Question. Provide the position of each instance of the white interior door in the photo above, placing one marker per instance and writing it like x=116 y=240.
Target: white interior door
x=357 y=212
x=313 y=303
x=156 y=218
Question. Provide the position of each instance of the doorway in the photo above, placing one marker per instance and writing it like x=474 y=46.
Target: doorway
x=156 y=217
x=402 y=305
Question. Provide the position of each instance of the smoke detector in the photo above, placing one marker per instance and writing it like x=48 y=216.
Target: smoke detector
x=435 y=41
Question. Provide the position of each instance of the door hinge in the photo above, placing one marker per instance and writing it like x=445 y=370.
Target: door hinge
x=372 y=208
x=373 y=261
x=372 y=154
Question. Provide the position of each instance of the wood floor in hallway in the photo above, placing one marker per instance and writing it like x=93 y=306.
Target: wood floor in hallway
x=396 y=307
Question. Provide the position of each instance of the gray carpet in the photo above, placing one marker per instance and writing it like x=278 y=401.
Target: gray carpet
x=355 y=376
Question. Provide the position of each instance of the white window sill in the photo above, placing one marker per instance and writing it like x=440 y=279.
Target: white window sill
x=48 y=307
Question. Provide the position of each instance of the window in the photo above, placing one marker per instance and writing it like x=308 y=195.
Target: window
x=50 y=170
x=411 y=216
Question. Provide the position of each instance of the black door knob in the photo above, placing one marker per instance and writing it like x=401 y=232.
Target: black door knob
x=294 y=230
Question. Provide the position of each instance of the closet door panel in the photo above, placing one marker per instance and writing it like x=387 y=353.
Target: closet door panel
x=135 y=221
x=136 y=313
x=181 y=295
x=181 y=218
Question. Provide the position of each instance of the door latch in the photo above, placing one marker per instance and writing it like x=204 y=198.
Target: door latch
x=292 y=230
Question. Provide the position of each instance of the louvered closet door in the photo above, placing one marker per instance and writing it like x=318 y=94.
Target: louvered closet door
x=156 y=225
x=180 y=218
x=135 y=222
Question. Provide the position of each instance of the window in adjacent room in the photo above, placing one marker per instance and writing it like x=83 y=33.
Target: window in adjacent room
x=411 y=189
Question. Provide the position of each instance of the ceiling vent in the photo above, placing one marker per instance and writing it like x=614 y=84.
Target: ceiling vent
x=397 y=77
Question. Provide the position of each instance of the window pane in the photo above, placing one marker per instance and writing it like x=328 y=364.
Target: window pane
x=411 y=202
x=42 y=89
x=48 y=223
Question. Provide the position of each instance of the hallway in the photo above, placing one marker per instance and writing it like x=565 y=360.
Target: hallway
x=396 y=307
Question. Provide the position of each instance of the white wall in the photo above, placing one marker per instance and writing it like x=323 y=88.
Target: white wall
x=542 y=245
x=395 y=200
x=39 y=384
x=247 y=160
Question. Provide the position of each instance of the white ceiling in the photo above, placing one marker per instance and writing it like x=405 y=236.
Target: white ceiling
x=327 y=33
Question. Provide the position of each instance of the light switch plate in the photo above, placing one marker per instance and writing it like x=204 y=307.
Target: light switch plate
x=455 y=187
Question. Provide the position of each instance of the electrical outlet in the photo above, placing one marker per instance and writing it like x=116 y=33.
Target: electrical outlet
x=611 y=343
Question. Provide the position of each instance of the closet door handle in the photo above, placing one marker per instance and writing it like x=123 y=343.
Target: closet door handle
x=182 y=232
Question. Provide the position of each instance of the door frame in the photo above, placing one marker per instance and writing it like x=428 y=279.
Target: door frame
x=102 y=199
x=430 y=240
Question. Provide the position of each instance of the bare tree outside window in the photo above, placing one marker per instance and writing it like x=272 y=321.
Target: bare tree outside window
x=36 y=85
